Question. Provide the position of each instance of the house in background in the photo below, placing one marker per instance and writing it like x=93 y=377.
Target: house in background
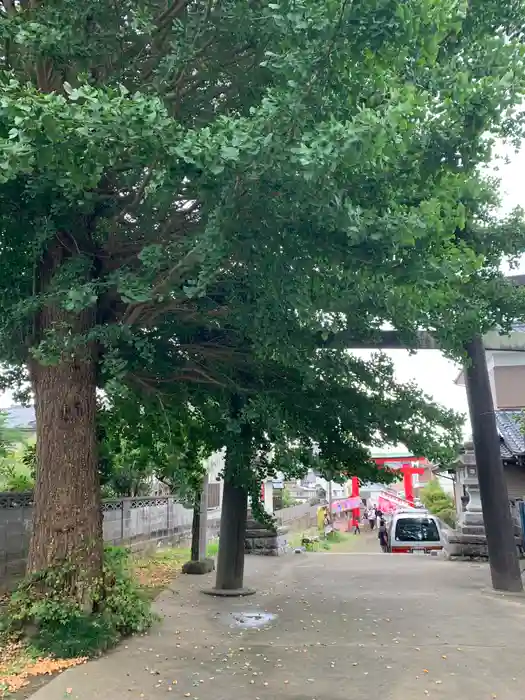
x=312 y=486
x=214 y=466
x=507 y=382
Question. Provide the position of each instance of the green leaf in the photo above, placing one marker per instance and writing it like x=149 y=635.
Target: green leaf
x=230 y=153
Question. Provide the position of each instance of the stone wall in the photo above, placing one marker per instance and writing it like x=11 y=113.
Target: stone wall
x=272 y=541
x=300 y=517
x=133 y=522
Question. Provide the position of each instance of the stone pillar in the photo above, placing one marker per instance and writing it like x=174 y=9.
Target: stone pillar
x=473 y=514
x=203 y=521
x=199 y=563
x=268 y=497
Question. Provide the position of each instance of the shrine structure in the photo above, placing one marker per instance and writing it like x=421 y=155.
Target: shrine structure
x=408 y=465
x=405 y=463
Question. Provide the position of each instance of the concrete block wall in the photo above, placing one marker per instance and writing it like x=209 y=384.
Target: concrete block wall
x=134 y=522
x=302 y=516
x=15 y=529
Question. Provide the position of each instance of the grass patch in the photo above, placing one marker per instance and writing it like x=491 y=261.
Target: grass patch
x=155 y=572
x=331 y=540
x=44 y=632
x=337 y=537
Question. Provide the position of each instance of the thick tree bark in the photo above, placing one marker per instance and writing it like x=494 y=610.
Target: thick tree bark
x=67 y=514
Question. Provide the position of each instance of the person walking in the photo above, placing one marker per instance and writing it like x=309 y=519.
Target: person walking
x=371 y=515
x=382 y=535
x=355 y=525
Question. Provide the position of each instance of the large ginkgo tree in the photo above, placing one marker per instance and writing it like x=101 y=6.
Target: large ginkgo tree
x=187 y=178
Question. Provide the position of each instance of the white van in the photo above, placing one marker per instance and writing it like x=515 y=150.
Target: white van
x=414 y=532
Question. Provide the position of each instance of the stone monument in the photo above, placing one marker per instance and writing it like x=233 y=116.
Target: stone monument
x=468 y=539
x=262 y=539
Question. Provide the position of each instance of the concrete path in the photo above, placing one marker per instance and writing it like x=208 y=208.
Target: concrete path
x=346 y=627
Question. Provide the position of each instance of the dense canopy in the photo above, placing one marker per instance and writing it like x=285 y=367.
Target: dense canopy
x=186 y=184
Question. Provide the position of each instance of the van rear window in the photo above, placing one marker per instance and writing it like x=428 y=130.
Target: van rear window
x=416 y=530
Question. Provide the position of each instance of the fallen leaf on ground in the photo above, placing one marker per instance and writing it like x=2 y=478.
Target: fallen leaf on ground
x=17 y=667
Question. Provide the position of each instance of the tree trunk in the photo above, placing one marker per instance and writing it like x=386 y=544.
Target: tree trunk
x=67 y=514
x=230 y=561
x=195 y=529
x=234 y=510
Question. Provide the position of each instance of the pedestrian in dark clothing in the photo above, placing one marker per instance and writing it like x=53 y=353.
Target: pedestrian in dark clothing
x=383 y=536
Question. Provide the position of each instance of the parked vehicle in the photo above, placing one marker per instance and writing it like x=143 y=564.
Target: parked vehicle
x=414 y=532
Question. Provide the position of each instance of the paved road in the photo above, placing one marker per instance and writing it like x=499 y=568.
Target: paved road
x=347 y=626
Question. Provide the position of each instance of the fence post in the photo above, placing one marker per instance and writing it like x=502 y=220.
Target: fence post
x=126 y=515
x=168 y=508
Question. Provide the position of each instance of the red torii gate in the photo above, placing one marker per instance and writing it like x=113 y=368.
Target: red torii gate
x=406 y=467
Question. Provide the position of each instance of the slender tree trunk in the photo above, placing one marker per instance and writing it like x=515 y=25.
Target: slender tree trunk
x=195 y=529
x=67 y=515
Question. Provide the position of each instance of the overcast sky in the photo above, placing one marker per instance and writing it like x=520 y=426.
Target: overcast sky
x=429 y=369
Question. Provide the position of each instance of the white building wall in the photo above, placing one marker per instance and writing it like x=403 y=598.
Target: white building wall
x=215 y=466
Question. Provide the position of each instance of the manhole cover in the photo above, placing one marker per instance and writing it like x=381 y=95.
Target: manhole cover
x=249 y=620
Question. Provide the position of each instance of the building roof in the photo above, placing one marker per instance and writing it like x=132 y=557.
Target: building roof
x=394 y=453
x=512 y=440
x=22 y=417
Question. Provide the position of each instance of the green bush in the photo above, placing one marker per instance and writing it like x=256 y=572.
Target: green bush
x=439 y=503
x=448 y=516
x=19 y=483
x=64 y=628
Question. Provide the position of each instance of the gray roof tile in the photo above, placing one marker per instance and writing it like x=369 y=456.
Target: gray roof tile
x=512 y=440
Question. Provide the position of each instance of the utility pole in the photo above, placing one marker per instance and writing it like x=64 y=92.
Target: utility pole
x=499 y=528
